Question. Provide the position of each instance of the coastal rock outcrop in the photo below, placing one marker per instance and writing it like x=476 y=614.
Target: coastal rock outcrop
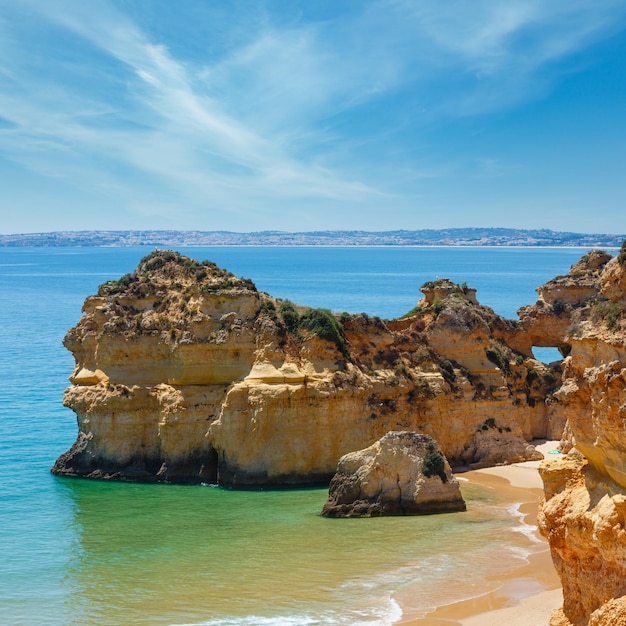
x=583 y=515
x=185 y=373
x=403 y=473
x=583 y=518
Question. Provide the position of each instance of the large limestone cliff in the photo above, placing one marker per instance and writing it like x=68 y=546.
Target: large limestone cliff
x=185 y=373
x=584 y=512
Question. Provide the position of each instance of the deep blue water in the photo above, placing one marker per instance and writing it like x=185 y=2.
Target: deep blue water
x=85 y=552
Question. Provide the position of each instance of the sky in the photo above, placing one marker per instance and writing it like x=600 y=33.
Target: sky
x=312 y=115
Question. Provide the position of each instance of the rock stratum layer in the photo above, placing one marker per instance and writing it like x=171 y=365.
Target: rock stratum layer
x=185 y=373
x=583 y=515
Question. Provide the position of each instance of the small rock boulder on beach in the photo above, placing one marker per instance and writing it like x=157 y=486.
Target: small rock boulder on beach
x=403 y=473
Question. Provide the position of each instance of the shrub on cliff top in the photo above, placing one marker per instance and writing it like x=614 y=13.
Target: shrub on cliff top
x=157 y=259
x=290 y=316
x=268 y=308
x=440 y=283
x=409 y=313
x=210 y=277
x=117 y=286
x=325 y=325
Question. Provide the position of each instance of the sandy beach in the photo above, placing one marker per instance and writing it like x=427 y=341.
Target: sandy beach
x=527 y=595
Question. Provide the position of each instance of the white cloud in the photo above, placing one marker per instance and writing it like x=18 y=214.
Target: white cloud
x=505 y=53
x=266 y=124
x=193 y=145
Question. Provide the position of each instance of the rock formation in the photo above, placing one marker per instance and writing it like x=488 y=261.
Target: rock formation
x=584 y=512
x=583 y=518
x=403 y=473
x=185 y=373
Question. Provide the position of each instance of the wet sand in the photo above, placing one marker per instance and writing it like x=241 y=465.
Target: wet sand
x=525 y=596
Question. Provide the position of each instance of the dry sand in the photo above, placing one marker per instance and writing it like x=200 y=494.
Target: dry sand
x=527 y=595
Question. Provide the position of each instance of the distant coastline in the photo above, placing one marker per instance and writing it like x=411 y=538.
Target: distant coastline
x=470 y=237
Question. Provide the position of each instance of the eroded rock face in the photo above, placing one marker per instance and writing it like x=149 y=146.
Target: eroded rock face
x=547 y=322
x=584 y=518
x=584 y=512
x=404 y=473
x=186 y=373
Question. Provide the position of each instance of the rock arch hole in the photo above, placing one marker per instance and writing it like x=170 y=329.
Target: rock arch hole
x=547 y=354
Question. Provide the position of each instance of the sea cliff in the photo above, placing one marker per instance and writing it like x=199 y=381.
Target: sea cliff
x=186 y=373
x=584 y=512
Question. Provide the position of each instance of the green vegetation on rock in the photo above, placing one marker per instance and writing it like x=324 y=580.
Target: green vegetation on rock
x=609 y=312
x=290 y=316
x=325 y=325
x=435 y=465
x=497 y=357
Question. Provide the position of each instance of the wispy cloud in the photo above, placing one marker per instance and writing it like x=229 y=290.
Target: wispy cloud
x=505 y=53
x=302 y=111
x=184 y=136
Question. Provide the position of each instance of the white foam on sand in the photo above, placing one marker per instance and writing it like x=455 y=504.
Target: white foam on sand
x=387 y=614
x=528 y=530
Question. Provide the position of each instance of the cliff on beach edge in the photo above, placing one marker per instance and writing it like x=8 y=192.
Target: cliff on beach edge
x=583 y=515
x=186 y=373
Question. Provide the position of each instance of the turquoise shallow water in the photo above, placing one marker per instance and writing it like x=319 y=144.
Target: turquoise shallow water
x=160 y=555
x=84 y=552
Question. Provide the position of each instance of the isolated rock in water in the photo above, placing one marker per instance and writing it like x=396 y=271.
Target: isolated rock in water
x=403 y=473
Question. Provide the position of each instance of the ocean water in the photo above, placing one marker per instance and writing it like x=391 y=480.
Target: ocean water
x=93 y=553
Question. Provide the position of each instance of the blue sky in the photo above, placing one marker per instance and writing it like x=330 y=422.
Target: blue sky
x=306 y=115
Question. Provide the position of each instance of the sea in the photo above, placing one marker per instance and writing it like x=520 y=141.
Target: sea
x=85 y=552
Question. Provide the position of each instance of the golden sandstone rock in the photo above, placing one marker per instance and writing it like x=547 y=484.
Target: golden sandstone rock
x=185 y=373
x=403 y=473
x=584 y=512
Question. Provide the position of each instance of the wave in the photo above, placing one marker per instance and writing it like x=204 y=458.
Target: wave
x=385 y=615
x=528 y=530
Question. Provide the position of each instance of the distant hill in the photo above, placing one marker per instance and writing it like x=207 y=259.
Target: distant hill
x=445 y=237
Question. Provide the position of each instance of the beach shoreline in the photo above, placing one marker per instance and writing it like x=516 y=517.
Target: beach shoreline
x=524 y=596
